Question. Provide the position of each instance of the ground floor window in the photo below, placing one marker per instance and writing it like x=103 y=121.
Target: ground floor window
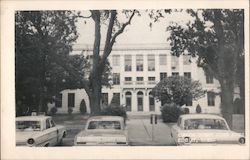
x=210 y=98
x=140 y=101
x=151 y=102
x=58 y=100
x=105 y=99
x=128 y=97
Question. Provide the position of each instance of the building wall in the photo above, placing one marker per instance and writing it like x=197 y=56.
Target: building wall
x=146 y=86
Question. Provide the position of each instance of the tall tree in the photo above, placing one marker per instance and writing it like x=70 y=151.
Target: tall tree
x=115 y=27
x=216 y=36
x=43 y=40
x=178 y=89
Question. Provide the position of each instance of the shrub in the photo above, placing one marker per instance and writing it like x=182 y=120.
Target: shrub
x=186 y=111
x=170 y=112
x=114 y=111
x=53 y=110
x=83 y=108
x=198 y=109
x=70 y=110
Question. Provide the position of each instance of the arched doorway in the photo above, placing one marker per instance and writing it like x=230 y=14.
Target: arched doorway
x=151 y=102
x=128 y=97
x=140 y=101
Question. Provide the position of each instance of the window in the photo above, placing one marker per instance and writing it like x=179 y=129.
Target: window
x=175 y=74
x=139 y=62
x=58 y=100
x=71 y=99
x=151 y=78
x=139 y=78
x=116 y=78
x=175 y=62
x=105 y=99
x=209 y=79
x=151 y=63
x=116 y=99
x=128 y=97
x=140 y=101
x=210 y=98
x=128 y=62
x=186 y=59
x=116 y=60
x=151 y=102
x=163 y=59
x=47 y=124
x=163 y=75
x=189 y=101
x=187 y=74
x=128 y=80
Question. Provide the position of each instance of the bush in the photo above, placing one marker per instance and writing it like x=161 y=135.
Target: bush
x=114 y=111
x=198 y=109
x=83 y=108
x=53 y=110
x=70 y=110
x=170 y=112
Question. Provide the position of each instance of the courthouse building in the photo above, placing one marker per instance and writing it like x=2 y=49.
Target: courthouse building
x=136 y=69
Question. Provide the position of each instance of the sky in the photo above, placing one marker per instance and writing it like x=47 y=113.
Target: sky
x=138 y=32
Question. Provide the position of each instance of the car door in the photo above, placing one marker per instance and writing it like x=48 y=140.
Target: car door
x=51 y=132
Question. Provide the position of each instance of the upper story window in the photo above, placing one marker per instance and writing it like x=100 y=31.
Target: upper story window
x=116 y=78
x=175 y=61
x=151 y=78
x=175 y=73
x=210 y=99
x=139 y=78
x=116 y=60
x=128 y=78
x=163 y=75
x=209 y=79
x=128 y=62
x=139 y=62
x=186 y=59
x=187 y=74
x=151 y=62
x=163 y=59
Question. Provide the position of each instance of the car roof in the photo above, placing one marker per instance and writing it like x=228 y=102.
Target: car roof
x=110 y=118
x=196 y=116
x=31 y=118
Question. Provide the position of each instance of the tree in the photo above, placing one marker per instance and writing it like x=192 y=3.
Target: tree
x=115 y=27
x=178 y=90
x=216 y=36
x=43 y=40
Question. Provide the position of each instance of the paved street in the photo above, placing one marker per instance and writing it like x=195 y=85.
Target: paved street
x=139 y=131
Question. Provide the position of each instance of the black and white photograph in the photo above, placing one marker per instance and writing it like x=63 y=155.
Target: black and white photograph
x=125 y=78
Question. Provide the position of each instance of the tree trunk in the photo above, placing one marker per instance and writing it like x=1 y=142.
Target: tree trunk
x=227 y=102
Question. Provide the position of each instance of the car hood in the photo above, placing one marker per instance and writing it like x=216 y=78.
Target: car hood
x=24 y=136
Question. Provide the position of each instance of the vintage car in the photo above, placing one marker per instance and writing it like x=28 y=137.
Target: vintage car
x=36 y=131
x=103 y=130
x=199 y=129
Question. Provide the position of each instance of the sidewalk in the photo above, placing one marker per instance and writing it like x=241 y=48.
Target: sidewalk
x=140 y=133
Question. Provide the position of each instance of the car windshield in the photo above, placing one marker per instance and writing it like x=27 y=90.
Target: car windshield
x=104 y=125
x=205 y=124
x=28 y=125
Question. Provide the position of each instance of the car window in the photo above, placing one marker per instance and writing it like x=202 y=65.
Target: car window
x=104 y=125
x=52 y=123
x=47 y=124
x=190 y=124
x=28 y=125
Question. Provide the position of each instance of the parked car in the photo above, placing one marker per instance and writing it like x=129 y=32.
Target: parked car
x=103 y=130
x=36 y=131
x=197 y=129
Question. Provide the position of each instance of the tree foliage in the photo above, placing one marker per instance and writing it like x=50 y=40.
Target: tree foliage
x=177 y=89
x=216 y=36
